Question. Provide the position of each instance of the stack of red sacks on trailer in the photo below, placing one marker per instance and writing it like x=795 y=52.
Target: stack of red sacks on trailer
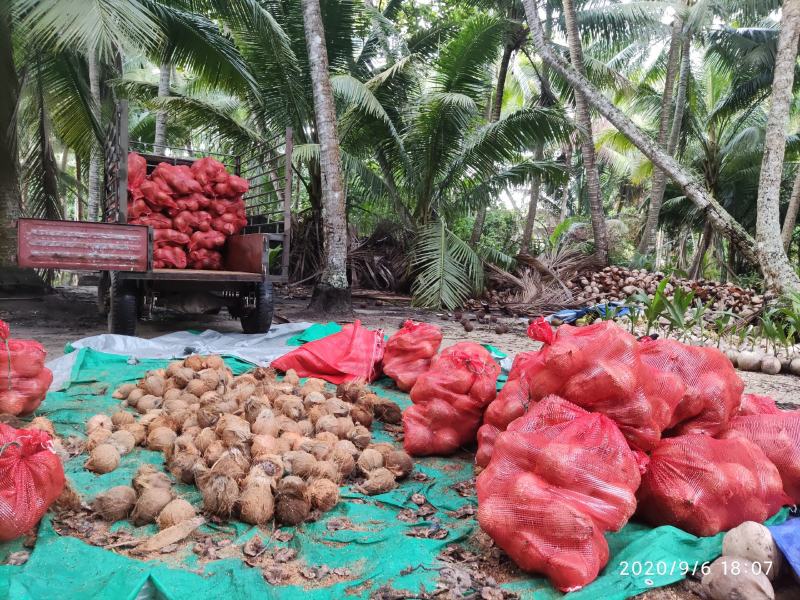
x=24 y=380
x=193 y=209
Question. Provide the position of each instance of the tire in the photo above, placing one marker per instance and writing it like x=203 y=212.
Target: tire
x=258 y=319
x=103 y=288
x=122 y=307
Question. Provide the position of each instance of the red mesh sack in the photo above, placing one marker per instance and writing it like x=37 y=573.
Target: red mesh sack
x=205 y=259
x=155 y=220
x=156 y=197
x=753 y=404
x=203 y=220
x=185 y=221
x=449 y=400
x=24 y=380
x=139 y=208
x=705 y=485
x=179 y=178
x=169 y=237
x=599 y=368
x=21 y=358
x=31 y=478
x=778 y=437
x=238 y=185
x=409 y=352
x=207 y=170
x=559 y=478
x=189 y=203
x=228 y=223
x=137 y=173
x=712 y=389
x=169 y=257
x=206 y=239
x=353 y=353
x=512 y=401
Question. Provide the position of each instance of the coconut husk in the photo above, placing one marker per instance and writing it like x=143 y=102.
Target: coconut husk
x=311 y=385
x=213 y=452
x=173 y=367
x=328 y=437
x=284 y=445
x=149 y=504
x=232 y=463
x=169 y=536
x=210 y=378
x=204 y=438
x=344 y=461
x=320 y=449
x=270 y=464
x=42 y=424
x=103 y=459
x=99 y=422
x=324 y=469
x=233 y=431
x=387 y=411
x=97 y=437
x=347 y=446
x=240 y=393
x=337 y=407
x=123 y=441
x=299 y=441
x=264 y=425
x=194 y=362
x=361 y=416
x=383 y=447
x=175 y=512
x=369 y=460
x=148 y=417
x=351 y=391
x=172 y=393
x=161 y=439
x=183 y=466
x=115 y=504
x=147 y=403
x=191 y=430
x=306 y=428
x=323 y=494
x=148 y=477
x=172 y=405
x=189 y=399
x=214 y=361
x=220 y=493
x=287 y=425
x=207 y=418
x=69 y=499
x=299 y=463
x=292 y=506
x=344 y=426
x=379 y=481
x=314 y=399
x=316 y=412
x=122 y=392
x=255 y=407
x=137 y=430
x=120 y=418
x=256 y=504
x=328 y=423
x=360 y=436
x=162 y=420
x=198 y=387
x=263 y=444
x=291 y=377
x=399 y=463
x=153 y=384
x=134 y=396
x=183 y=376
x=293 y=408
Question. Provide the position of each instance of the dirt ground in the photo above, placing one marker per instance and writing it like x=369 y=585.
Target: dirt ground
x=71 y=313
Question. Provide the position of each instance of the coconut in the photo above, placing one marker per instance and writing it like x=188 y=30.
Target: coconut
x=293 y=408
x=207 y=418
x=123 y=441
x=314 y=399
x=137 y=430
x=399 y=463
x=299 y=441
x=297 y=462
x=115 y=504
x=232 y=463
x=384 y=448
x=291 y=502
x=173 y=405
x=387 y=411
x=263 y=444
x=161 y=439
x=194 y=362
x=328 y=423
x=150 y=504
x=214 y=361
x=177 y=511
x=220 y=493
x=97 y=437
x=148 y=402
x=134 y=397
x=291 y=377
x=360 y=436
x=287 y=425
x=749 y=361
x=103 y=459
x=122 y=392
x=362 y=416
x=147 y=477
x=42 y=424
x=148 y=417
x=213 y=452
x=210 y=378
x=770 y=365
x=188 y=398
x=256 y=504
x=324 y=469
x=162 y=420
x=256 y=407
x=348 y=447
x=120 y=418
x=270 y=464
x=191 y=430
x=311 y=385
x=197 y=387
x=204 y=438
x=153 y=384
x=323 y=494
x=344 y=425
x=369 y=460
x=328 y=437
x=337 y=407
x=183 y=466
x=172 y=393
x=265 y=425
x=316 y=412
x=240 y=393
x=320 y=449
x=351 y=391
x=173 y=367
x=233 y=431
x=183 y=376
x=99 y=422
x=379 y=481
x=344 y=461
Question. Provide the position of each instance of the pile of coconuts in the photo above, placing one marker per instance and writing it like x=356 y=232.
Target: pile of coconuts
x=256 y=447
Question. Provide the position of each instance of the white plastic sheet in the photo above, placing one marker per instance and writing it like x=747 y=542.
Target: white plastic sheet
x=259 y=349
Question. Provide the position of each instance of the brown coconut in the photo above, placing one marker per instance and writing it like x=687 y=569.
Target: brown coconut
x=320 y=449
x=161 y=439
x=344 y=461
x=263 y=444
x=233 y=431
x=299 y=463
x=153 y=384
x=148 y=402
x=323 y=494
x=316 y=412
x=99 y=422
x=213 y=452
x=204 y=438
x=120 y=418
x=265 y=425
x=387 y=411
x=177 y=511
x=256 y=407
x=270 y=464
x=369 y=460
x=399 y=463
x=256 y=504
x=183 y=376
x=123 y=441
x=314 y=399
x=312 y=385
x=360 y=436
x=220 y=493
x=188 y=398
x=383 y=447
x=210 y=378
x=137 y=430
x=337 y=407
x=344 y=425
x=292 y=506
x=115 y=504
x=324 y=469
x=327 y=436
x=172 y=393
x=299 y=442
x=351 y=391
x=122 y=392
x=42 y=424
x=192 y=430
x=173 y=405
x=134 y=396
x=361 y=416
x=293 y=408
x=291 y=377
x=347 y=446
x=183 y=466
x=162 y=420
x=97 y=437
x=148 y=477
x=174 y=366
x=103 y=459
x=287 y=425
x=379 y=481
x=233 y=463
x=328 y=423
x=207 y=418
x=150 y=504
x=197 y=387
x=194 y=362
x=214 y=361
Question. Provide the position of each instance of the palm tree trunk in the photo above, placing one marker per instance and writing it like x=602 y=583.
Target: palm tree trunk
x=497 y=107
x=79 y=188
x=659 y=177
x=96 y=158
x=680 y=96
x=533 y=204
x=564 y=208
x=705 y=241
x=791 y=213
x=160 y=139
x=768 y=226
x=332 y=291
x=584 y=121
x=10 y=206
x=720 y=219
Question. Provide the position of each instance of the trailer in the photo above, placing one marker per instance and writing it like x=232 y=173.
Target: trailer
x=129 y=286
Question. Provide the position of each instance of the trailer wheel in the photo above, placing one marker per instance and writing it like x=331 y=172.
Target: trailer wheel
x=122 y=306
x=258 y=319
x=103 y=287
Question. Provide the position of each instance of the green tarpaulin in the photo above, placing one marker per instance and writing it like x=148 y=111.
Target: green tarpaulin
x=374 y=547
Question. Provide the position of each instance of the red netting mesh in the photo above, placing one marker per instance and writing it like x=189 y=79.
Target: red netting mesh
x=712 y=388
x=449 y=400
x=753 y=404
x=353 y=353
x=778 y=436
x=558 y=479
x=705 y=485
x=409 y=353
x=24 y=379
x=31 y=478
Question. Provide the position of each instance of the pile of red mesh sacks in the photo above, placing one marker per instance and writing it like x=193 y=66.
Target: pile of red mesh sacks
x=560 y=477
x=409 y=353
x=24 y=379
x=193 y=210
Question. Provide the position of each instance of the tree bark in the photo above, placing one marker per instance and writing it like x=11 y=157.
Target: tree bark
x=96 y=158
x=533 y=204
x=584 y=121
x=79 y=188
x=332 y=291
x=680 y=97
x=659 y=177
x=10 y=206
x=160 y=139
x=720 y=219
x=494 y=116
x=563 y=213
x=768 y=227
x=705 y=241
x=791 y=214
